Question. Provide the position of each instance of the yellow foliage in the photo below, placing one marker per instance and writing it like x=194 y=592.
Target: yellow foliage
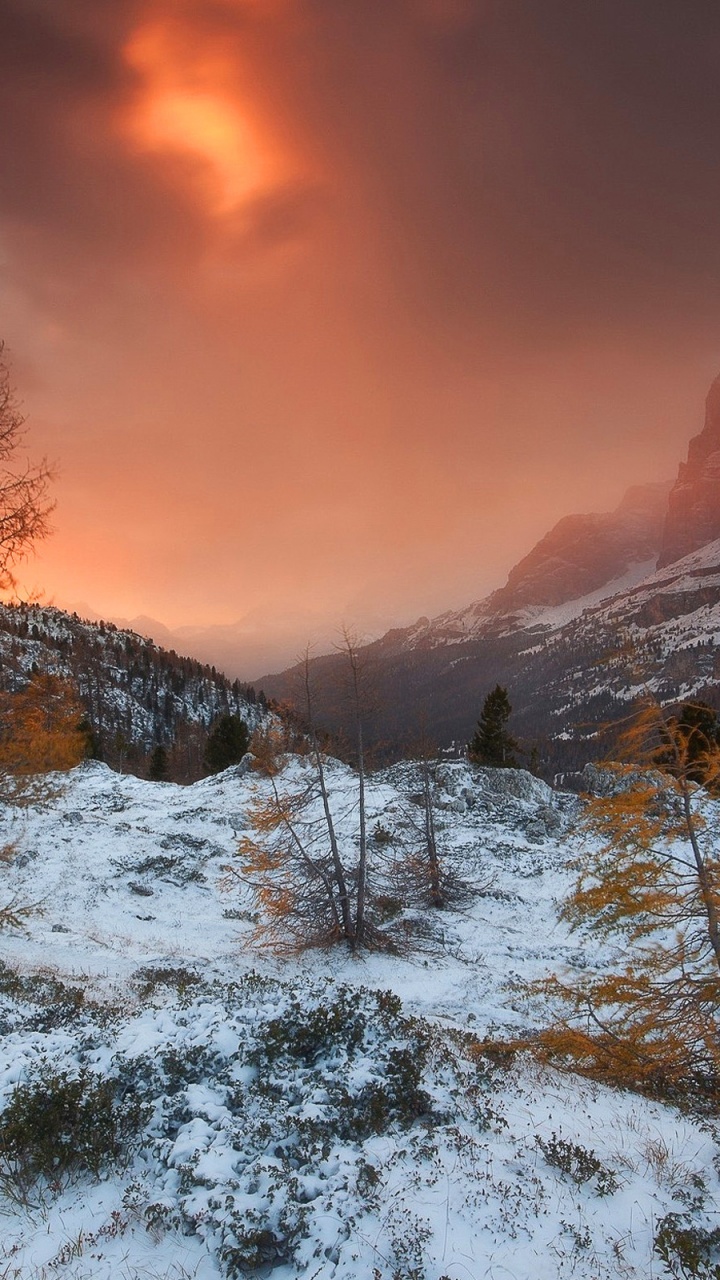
x=651 y=877
x=40 y=733
x=285 y=862
x=269 y=748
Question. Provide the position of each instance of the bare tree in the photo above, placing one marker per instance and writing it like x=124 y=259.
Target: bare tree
x=24 y=504
x=429 y=844
x=423 y=875
x=358 y=697
x=306 y=859
x=348 y=928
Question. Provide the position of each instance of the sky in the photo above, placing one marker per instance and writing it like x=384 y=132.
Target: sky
x=331 y=308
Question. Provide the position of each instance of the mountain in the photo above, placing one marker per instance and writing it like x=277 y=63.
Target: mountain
x=261 y=639
x=136 y=695
x=693 y=516
x=529 y=635
x=603 y=606
x=586 y=552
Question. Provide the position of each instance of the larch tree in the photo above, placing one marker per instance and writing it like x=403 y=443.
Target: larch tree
x=306 y=858
x=287 y=858
x=41 y=732
x=649 y=880
x=24 y=503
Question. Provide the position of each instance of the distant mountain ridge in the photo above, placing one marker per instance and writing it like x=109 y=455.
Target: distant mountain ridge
x=602 y=606
x=585 y=552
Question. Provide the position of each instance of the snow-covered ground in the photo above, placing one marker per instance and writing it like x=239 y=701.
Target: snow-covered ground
x=291 y=1115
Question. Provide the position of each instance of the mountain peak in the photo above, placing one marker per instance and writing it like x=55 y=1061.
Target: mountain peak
x=693 y=517
x=582 y=553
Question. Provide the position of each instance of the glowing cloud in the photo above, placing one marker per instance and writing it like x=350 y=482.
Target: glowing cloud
x=188 y=103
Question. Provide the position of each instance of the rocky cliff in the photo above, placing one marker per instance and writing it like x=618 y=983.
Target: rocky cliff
x=583 y=552
x=693 y=517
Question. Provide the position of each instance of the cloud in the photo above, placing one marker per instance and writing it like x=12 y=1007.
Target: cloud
x=308 y=293
x=502 y=167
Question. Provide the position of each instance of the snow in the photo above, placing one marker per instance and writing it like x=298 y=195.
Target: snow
x=553 y=617
x=457 y=626
x=388 y=1149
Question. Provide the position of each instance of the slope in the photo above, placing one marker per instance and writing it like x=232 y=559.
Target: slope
x=317 y=1118
x=136 y=695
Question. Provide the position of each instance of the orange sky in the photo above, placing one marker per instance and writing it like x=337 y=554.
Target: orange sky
x=336 y=307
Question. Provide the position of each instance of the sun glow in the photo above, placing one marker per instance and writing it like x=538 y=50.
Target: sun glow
x=189 y=104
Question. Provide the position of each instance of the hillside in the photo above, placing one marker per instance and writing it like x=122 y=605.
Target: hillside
x=317 y=1117
x=569 y=669
x=136 y=695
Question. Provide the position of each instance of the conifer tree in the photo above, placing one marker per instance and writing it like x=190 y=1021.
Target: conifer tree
x=491 y=743
x=227 y=743
x=41 y=732
x=158 y=770
x=650 y=879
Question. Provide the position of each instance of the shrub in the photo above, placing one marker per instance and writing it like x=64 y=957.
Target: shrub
x=689 y=1251
x=578 y=1163
x=60 y=1126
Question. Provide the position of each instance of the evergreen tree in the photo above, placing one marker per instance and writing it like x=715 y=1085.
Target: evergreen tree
x=491 y=743
x=227 y=743
x=158 y=771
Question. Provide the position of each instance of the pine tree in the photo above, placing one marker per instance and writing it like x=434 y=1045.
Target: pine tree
x=158 y=770
x=491 y=743
x=227 y=743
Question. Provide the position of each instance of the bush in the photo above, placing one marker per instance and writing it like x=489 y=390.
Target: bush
x=578 y=1163
x=320 y=1039
x=61 y=1126
x=689 y=1251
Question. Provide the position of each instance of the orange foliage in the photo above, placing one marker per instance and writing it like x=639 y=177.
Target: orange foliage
x=40 y=733
x=652 y=879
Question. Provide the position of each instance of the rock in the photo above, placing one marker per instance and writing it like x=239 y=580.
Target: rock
x=60 y=928
x=517 y=783
x=143 y=890
x=536 y=831
x=585 y=552
x=602 y=782
x=693 y=517
x=550 y=819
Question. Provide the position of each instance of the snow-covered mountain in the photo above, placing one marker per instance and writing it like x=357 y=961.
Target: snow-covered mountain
x=584 y=622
